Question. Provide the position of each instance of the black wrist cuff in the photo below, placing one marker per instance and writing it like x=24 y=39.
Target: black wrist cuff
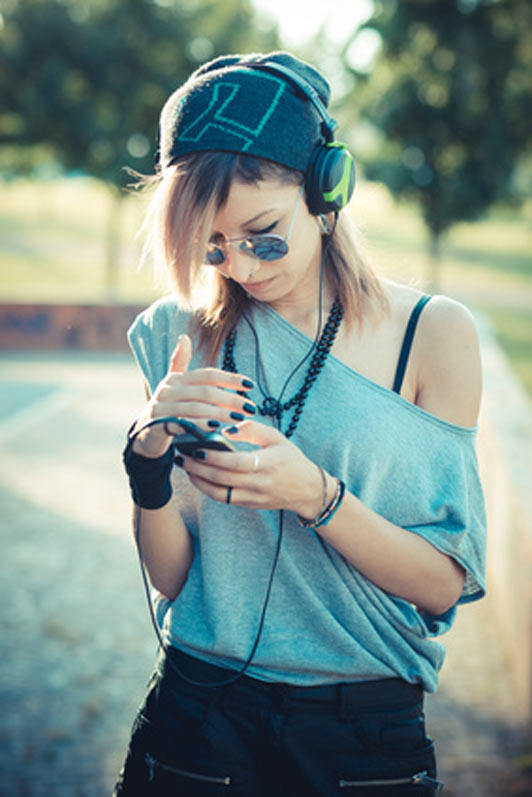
x=149 y=479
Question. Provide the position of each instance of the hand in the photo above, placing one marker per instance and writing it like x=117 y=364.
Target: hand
x=200 y=395
x=275 y=476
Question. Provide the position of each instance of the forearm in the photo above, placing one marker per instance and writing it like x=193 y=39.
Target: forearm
x=166 y=547
x=400 y=562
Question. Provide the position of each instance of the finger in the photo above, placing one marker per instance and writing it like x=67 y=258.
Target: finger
x=183 y=393
x=181 y=355
x=232 y=462
x=254 y=432
x=218 y=492
x=218 y=378
x=239 y=496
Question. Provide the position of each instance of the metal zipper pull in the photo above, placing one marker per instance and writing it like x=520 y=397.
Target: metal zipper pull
x=150 y=762
x=423 y=778
x=419 y=779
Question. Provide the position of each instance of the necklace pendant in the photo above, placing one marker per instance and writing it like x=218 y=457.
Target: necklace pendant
x=270 y=406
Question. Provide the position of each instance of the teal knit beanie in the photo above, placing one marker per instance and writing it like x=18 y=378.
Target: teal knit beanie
x=227 y=106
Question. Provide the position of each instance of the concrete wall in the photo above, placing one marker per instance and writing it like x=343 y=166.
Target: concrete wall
x=63 y=326
x=505 y=455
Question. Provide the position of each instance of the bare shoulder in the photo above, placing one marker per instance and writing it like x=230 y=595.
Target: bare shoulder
x=449 y=380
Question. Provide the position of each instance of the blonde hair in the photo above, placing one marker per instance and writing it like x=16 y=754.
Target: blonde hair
x=178 y=225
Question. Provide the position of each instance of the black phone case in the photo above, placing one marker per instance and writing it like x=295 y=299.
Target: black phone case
x=188 y=443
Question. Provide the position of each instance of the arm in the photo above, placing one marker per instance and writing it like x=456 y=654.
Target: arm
x=163 y=539
x=166 y=547
x=398 y=561
x=404 y=564
x=448 y=375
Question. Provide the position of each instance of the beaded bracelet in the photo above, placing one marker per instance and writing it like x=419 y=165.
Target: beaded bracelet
x=324 y=482
x=326 y=514
x=334 y=506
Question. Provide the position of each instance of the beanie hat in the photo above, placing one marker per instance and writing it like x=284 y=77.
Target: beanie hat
x=226 y=105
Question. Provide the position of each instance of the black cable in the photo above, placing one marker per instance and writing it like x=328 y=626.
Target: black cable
x=136 y=531
x=136 y=524
x=316 y=337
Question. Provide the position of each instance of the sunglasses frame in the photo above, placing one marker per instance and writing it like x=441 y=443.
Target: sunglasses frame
x=240 y=243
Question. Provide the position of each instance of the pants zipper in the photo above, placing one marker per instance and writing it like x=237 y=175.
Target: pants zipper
x=419 y=779
x=153 y=764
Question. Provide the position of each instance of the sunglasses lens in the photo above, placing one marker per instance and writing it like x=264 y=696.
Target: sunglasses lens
x=268 y=247
x=215 y=255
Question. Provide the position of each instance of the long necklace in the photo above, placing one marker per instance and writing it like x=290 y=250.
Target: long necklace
x=275 y=407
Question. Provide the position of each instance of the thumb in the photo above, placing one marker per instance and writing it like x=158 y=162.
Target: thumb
x=181 y=355
x=255 y=432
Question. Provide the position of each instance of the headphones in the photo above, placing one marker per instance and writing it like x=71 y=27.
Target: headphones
x=330 y=175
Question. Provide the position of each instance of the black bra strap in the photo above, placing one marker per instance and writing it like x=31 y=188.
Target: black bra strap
x=407 y=343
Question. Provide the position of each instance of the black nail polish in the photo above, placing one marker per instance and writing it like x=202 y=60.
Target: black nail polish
x=179 y=461
x=231 y=429
x=199 y=454
x=213 y=424
x=249 y=408
x=236 y=416
x=248 y=383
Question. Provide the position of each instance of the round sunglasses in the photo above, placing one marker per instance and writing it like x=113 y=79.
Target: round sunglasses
x=267 y=246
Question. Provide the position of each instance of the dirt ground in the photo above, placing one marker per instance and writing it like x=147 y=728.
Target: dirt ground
x=77 y=645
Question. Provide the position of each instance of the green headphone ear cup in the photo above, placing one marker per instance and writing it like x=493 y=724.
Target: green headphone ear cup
x=330 y=179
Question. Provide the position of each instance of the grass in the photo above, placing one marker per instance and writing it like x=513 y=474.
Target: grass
x=53 y=249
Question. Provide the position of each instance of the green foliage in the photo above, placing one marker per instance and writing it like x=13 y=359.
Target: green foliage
x=448 y=96
x=87 y=79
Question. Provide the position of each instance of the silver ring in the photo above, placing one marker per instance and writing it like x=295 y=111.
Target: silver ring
x=255 y=461
x=228 y=498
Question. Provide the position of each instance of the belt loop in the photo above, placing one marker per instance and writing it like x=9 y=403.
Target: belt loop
x=342 y=702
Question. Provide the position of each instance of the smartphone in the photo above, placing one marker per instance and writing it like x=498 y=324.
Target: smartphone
x=194 y=438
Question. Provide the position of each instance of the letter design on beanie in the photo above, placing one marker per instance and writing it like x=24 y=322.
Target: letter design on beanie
x=217 y=113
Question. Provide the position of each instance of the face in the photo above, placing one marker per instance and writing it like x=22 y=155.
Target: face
x=269 y=207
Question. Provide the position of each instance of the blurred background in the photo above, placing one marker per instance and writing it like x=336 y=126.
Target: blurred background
x=434 y=98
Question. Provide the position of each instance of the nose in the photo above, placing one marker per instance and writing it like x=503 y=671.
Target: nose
x=239 y=266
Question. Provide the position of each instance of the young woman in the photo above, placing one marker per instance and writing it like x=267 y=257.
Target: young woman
x=301 y=577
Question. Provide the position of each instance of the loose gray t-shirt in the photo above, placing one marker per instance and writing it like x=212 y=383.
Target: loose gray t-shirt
x=325 y=622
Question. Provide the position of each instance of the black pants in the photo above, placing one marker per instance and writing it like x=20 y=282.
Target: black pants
x=254 y=739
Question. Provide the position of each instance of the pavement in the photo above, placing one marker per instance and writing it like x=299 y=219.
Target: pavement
x=77 y=646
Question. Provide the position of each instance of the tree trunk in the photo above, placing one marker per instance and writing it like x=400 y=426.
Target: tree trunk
x=112 y=257
x=434 y=263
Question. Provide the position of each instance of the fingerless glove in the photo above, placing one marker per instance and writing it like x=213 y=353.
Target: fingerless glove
x=149 y=478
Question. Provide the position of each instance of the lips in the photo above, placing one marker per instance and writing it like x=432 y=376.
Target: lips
x=254 y=286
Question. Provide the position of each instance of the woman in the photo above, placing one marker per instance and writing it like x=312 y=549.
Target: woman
x=301 y=577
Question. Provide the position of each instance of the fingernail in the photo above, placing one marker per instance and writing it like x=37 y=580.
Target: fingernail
x=249 y=408
x=213 y=424
x=199 y=454
x=236 y=416
x=179 y=461
x=248 y=383
x=231 y=429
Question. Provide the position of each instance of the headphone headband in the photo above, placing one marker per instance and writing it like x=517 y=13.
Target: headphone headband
x=329 y=125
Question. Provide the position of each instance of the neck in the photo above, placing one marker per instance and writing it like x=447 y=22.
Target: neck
x=301 y=308
x=305 y=317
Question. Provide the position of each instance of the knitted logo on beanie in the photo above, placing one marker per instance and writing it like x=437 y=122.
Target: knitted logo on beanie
x=224 y=113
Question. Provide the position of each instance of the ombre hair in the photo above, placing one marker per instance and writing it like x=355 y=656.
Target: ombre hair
x=178 y=226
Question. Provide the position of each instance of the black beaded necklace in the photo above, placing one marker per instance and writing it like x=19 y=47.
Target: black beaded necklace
x=275 y=407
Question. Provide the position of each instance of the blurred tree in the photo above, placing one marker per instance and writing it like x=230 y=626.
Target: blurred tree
x=87 y=78
x=447 y=93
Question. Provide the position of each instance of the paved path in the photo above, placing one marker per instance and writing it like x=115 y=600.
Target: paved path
x=77 y=646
